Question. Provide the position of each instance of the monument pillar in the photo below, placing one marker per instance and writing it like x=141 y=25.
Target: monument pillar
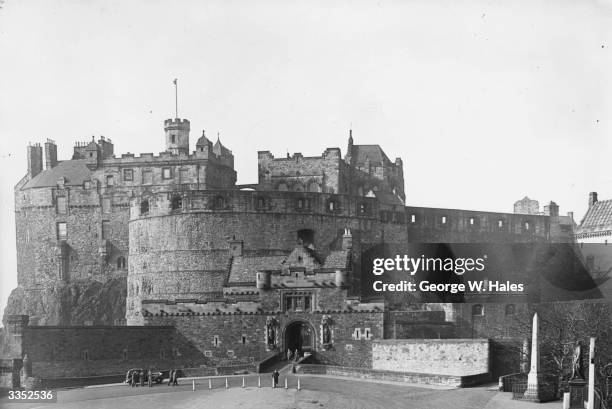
x=534 y=379
x=591 y=401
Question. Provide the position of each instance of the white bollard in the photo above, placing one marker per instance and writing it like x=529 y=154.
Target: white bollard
x=226 y=384
x=209 y=383
x=259 y=381
x=273 y=382
x=243 y=381
x=299 y=386
x=285 y=383
x=193 y=385
x=566 y=400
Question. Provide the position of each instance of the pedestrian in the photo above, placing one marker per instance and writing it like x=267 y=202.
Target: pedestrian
x=176 y=375
x=141 y=375
x=275 y=375
x=170 y=377
x=150 y=377
x=132 y=378
x=288 y=354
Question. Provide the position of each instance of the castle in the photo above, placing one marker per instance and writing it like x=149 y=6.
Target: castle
x=239 y=273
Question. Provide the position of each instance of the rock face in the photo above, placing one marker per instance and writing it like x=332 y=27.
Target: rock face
x=76 y=303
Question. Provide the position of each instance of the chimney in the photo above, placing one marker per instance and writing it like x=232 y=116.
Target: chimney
x=35 y=164
x=347 y=239
x=50 y=154
x=592 y=198
x=570 y=215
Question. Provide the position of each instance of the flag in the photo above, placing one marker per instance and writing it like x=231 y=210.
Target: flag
x=174 y=81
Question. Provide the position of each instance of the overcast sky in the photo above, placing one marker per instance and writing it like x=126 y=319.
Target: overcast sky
x=485 y=101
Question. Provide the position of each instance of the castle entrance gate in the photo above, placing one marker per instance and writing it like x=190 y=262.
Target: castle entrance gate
x=301 y=336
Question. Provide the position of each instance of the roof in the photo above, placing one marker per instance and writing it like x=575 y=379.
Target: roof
x=244 y=268
x=388 y=198
x=76 y=173
x=373 y=153
x=221 y=150
x=337 y=259
x=203 y=140
x=597 y=217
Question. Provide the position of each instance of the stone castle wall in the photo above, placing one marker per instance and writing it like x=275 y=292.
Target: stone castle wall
x=432 y=356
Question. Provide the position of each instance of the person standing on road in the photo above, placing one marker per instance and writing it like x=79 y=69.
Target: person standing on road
x=150 y=377
x=141 y=376
x=275 y=375
x=175 y=380
x=171 y=377
x=133 y=379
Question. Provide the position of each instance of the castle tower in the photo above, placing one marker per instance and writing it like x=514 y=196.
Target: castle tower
x=177 y=136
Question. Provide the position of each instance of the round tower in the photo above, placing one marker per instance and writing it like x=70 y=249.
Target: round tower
x=177 y=136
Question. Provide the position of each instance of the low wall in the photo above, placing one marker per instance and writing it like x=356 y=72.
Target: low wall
x=407 y=377
x=454 y=357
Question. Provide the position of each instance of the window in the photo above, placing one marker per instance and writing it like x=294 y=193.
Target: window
x=147 y=177
x=61 y=205
x=301 y=203
x=216 y=341
x=106 y=230
x=183 y=176
x=443 y=219
x=219 y=202
x=332 y=205
x=477 y=310
x=110 y=180
x=314 y=187
x=166 y=173
x=301 y=302
x=177 y=203
x=121 y=263
x=87 y=185
x=62 y=232
x=500 y=223
x=472 y=221
x=106 y=205
x=413 y=218
x=526 y=225
x=364 y=208
x=128 y=175
x=125 y=354
x=144 y=207
x=282 y=187
x=173 y=138
x=85 y=355
x=261 y=202
x=510 y=309
x=244 y=338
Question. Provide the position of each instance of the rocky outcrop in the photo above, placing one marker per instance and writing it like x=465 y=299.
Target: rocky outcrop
x=75 y=303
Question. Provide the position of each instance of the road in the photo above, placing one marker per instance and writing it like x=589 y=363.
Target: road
x=316 y=392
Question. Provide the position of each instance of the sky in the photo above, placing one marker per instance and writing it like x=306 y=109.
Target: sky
x=485 y=101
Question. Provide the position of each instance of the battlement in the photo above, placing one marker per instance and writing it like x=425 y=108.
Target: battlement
x=178 y=122
x=246 y=201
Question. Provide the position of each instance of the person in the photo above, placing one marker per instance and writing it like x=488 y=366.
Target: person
x=275 y=375
x=288 y=354
x=132 y=378
x=141 y=377
x=170 y=377
x=175 y=380
x=150 y=377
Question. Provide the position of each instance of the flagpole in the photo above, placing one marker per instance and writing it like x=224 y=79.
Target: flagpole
x=176 y=98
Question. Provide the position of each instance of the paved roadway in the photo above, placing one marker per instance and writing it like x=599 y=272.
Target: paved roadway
x=317 y=392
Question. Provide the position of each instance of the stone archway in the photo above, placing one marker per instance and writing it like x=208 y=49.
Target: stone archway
x=300 y=335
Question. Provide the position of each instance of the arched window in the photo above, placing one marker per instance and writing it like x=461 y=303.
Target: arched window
x=144 y=207
x=261 y=202
x=177 y=202
x=314 y=187
x=477 y=310
x=282 y=187
x=510 y=309
x=332 y=205
x=121 y=262
x=220 y=202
